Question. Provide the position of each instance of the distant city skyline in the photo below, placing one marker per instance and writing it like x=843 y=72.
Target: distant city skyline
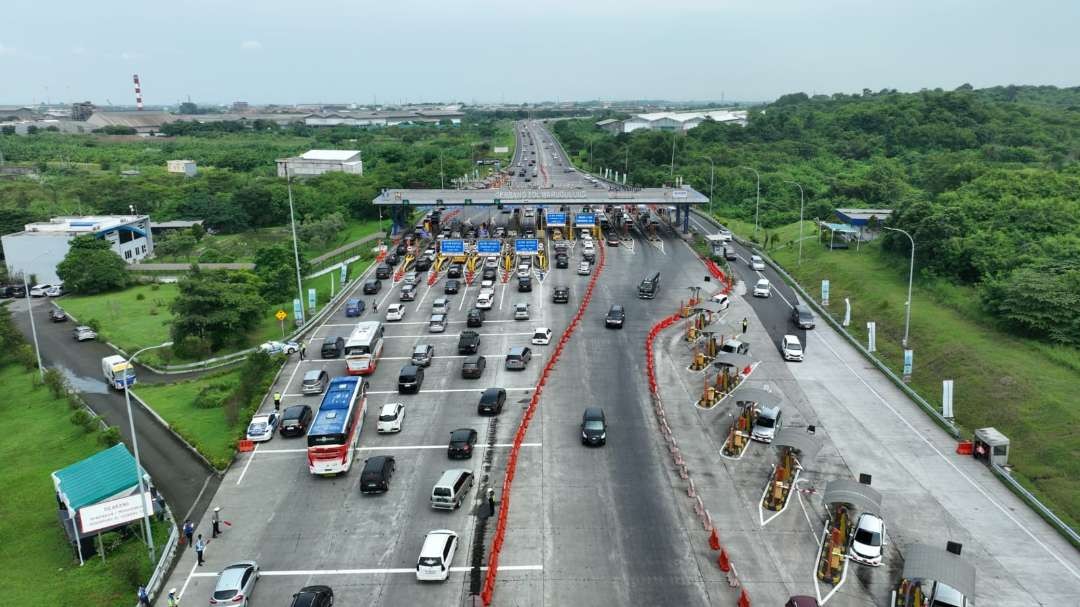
x=272 y=51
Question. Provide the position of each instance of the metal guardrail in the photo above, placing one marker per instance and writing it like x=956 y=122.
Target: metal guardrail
x=1034 y=502
x=168 y=552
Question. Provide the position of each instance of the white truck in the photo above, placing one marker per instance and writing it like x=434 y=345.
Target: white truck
x=118 y=372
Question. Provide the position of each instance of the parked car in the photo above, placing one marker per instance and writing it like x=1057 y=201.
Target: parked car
x=313 y=596
x=615 y=317
x=791 y=348
x=39 y=290
x=12 y=291
x=868 y=542
x=521 y=311
x=461 y=444
x=518 y=357
x=84 y=333
x=57 y=315
x=395 y=311
x=235 y=584
x=451 y=286
x=473 y=367
x=376 y=475
x=280 y=347
x=390 y=418
x=492 y=401
x=372 y=286
x=422 y=355
x=436 y=555
x=593 y=427
x=55 y=290
x=315 y=382
x=410 y=379
x=541 y=336
x=763 y=288
x=475 y=318
x=354 y=307
x=262 y=427
x=295 y=420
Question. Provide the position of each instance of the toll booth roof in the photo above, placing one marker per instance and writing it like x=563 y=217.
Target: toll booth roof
x=922 y=562
x=992 y=437
x=800 y=440
x=731 y=359
x=102 y=475
x=763 y=398
x=846 y=491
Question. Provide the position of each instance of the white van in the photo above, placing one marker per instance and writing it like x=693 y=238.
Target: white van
x=436 y=555
x=451 y=488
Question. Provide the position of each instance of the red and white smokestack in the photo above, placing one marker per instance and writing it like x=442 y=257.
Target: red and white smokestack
x=138 y=93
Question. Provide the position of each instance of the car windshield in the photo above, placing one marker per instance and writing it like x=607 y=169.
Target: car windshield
x=867 y=537
x=224 y=595
x=765 y=422
x=430 y=561
x=257 y=427
x=594 y=424
x=388 y=417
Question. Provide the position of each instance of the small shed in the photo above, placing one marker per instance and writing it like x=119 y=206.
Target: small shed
x=991 y=446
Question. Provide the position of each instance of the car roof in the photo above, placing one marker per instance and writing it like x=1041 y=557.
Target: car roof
x=770 y=412
x=763 y=281
x=461 y=433
x=541 y=330
x=517 y=350
x=423 y=347
x=616 y=307
x=593 y=413
x=793 y=338
x=295 y=410
x=263 y=417
x=870 y=522
x=230 y=576
x=313 y=374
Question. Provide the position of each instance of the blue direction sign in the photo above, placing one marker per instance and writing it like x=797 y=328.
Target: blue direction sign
x=555 y=220
x=526 y=246
x=489 y=247
x=584 y=219
x=452 y=247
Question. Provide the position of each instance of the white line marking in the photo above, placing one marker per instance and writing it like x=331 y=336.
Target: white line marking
x=310 y=572
x=433 y=335
x=478 y=390
x=422 y=322
x=401 y=448
x=247 y=464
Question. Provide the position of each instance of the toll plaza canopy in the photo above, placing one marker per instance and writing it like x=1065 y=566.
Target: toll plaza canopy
x=763 y=398
x=533 y=196
x=846 y=491
x=799 y=440
x=731 y=359
x=922 y=562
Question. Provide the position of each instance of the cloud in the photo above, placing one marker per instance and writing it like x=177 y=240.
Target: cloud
x=78 y=50
x=131 y=55
x=6 y=50
x=251 y=45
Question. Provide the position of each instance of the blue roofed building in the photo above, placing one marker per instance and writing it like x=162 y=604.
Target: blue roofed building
x=40 y=247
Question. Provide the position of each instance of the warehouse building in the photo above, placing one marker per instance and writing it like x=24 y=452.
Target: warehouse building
x=672 y=121
x=37 y=250
x=317 y=162
x=144 y=123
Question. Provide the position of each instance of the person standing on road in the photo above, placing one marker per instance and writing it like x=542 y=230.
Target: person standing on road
x=374 y=306
x=745 y=323
x=303 y=350
x=491 y=500
x=160 y=499
x=173 y=599
x=189 y=530
x=277 y=401
x=200 y=546
x=215 y=521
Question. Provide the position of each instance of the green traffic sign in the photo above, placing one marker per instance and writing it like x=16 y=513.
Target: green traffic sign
x=468 y=201
x=498 y=201
x=405 y=202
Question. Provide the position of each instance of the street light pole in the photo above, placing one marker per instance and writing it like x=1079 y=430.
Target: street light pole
x=802 y=203
x=712 y=181
x=911 y=276
x=757 y=205
x=135 y=445
x=295 y=247
x=33 y=326
x=674 y=138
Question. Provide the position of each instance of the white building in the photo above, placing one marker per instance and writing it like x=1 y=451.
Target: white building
x=39 y=248
x=317 y=162
x=678 y=121
x=187 y=167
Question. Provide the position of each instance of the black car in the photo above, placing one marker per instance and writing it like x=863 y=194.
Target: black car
x=593 y=427
x=524 y=284
x=410 y=379
x=332 y=347
x=313 y=596
x=392 y=259
x=612 y=240
x=560 y=294
x=423 y=264
x=468 y=342
x=375 y=477
x=401 y=248
x=492 y=401
x=562 y=260
x=488 y=274
x=372 y=287
x=295 y=420
x=473 y=367
x=475 y=318
x=455 y=271
x=451 y=286
x=7 y=291
x=57 y=315
x=461 y=443
x=382 y=271
x=615 y=317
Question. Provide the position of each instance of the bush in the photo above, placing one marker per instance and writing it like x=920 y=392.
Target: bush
x=193 y=347
x=24 y=355
x=109 y=437
x=56 y=382
x=80 y=417
x=140 y=296
x=212 y=396
x=128 y=567
x=94 y=324
x=74 y=401
x=155 y=286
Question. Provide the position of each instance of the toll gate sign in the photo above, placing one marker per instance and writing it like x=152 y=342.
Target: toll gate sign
x=585 y=220
x=526 y=246
x=555 y=220
x=489 y=247
x=452 y=246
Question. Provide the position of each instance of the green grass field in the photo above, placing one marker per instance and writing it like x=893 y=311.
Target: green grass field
x=240 y=248
x=1024 y=388
x=39 y=566
x=205 y=429
x=125 y=319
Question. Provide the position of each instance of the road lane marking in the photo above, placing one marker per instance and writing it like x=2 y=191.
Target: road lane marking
x=427 y=335
x=311 y=572
x=248 y=463
x=400 y=448
x=448 y=390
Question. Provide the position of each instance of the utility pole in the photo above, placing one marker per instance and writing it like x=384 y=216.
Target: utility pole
x=295 y=247
x=802 y=201
x=911 y=277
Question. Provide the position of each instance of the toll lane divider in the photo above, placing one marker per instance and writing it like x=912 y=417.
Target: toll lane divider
x=723 y=561
x=519 y=437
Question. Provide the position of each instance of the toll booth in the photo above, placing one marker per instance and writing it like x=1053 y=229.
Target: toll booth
x=716 y=244
x=927 y=568
x=991 y=446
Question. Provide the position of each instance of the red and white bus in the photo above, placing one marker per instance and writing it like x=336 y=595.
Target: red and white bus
x=363 y=348
x=335 y=432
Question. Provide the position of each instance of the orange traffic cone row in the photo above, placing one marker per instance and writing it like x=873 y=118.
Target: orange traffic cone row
x=723 y=562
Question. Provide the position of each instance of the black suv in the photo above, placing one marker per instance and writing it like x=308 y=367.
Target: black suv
x=475 y=318
x=375 y=477
x=313 y=596
x=593 y=427
x=461 y=443
x=455 y=271
x=332 y=347
x=492 y=401
x=488 y=274
x=382 y=271
x=473 y=367
x=423 y=264
x=468 y=342
x=802 y=316
x=524 y=284
x=410 y=379
x=451 y=286
x=615 y=317
x=562 y=260
x=295 y=420
x=372 y=287
x=561 y=294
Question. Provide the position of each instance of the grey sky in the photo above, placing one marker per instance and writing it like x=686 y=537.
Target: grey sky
x=488 y=50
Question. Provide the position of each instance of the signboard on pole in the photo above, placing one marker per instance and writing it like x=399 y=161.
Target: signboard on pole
x=946 y=398
x=555 y=220
x=104 y=515
x=311 y=300
x=584 y=220
x=526 y=246
x=344 y=271
x=489 y=247
x=871 y=336
x=825 y=292
x=298 y=311
x=909 y=357
x=452 y=247
x=678 y=193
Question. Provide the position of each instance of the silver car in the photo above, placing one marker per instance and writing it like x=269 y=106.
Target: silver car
x=766 y=424
x=235 y=584
x=437 y=323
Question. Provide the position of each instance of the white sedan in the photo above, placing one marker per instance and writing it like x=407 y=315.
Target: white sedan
x=541 y=336
x=262 y=427
x=395 y=311
x=757 y=263
x=722 y=301
x=763 y=288
x=280 y=347
x=869 y=540
x=484 y=300
x=584 y=268
x=390 y=417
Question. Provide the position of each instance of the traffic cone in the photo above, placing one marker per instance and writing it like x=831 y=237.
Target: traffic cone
x=714 y=540
x=723 y=562
x=744 y=599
